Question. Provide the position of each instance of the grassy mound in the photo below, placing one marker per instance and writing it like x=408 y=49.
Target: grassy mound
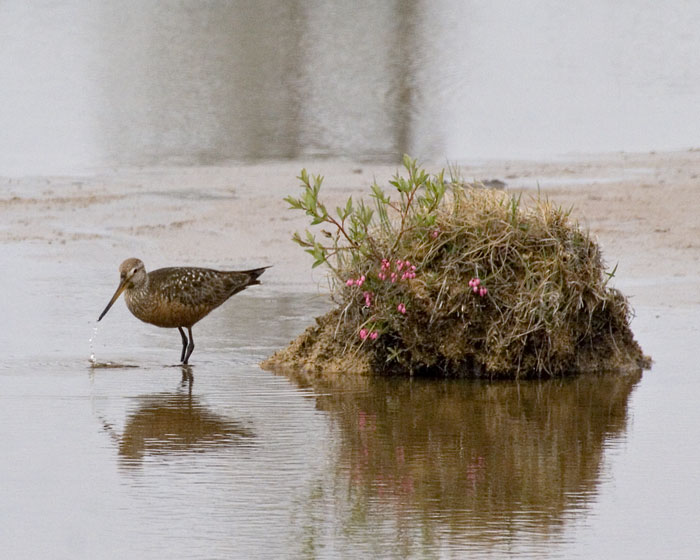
x=454 y=279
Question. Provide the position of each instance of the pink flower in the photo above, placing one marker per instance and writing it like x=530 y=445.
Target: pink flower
x=483 y=291
x=373 y=335
x=381 y=276
x=399 y=264
x=385 y=264
x=475 y=289
x=349 y=282
x=401 y=308
x=394 y=276
x=363 y=333
x=474 y=282
x=435 y=233
x=368 y=298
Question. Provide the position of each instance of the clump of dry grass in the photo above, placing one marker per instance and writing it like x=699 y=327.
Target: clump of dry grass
x=455 y=279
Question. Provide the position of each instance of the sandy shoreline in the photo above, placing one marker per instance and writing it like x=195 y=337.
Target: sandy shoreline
x=642 y=208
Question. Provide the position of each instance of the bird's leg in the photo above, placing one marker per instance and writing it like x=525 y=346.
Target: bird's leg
x=184 y=345
x=190 y=346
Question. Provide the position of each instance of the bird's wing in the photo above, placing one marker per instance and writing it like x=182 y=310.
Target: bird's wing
x=195 y=287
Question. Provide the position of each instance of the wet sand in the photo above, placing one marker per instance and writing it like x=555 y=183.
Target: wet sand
x=642 y=208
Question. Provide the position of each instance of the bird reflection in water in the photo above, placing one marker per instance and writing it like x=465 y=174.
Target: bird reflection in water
x=172 y=424
x=187 y=377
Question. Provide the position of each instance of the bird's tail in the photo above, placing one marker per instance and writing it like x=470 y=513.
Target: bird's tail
x=254 y=274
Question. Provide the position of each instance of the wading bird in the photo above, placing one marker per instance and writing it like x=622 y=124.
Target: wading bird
x=178 y=296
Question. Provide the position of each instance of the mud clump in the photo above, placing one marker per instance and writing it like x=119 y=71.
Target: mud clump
x=458 y=280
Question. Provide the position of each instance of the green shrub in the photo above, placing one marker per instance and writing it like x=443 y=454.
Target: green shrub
x=442 y=277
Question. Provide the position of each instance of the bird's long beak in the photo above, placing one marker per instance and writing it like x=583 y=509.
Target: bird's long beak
x=116 y=295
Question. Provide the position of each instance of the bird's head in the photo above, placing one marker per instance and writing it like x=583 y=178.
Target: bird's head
x=132 y=273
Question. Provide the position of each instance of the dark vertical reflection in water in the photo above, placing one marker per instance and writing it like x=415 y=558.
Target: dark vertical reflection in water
x=206 y=81
x=360 y=83
x=203 y=82
x=470 y=464
x=406 y=42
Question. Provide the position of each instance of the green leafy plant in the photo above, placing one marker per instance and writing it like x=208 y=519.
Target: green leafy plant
x=360 y=232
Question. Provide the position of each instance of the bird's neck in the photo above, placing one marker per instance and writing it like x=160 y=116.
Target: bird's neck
x=138 y=299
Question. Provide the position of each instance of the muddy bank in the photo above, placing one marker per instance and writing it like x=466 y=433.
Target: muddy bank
x=318 y=355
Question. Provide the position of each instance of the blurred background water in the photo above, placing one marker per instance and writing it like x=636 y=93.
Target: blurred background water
x=89 y=83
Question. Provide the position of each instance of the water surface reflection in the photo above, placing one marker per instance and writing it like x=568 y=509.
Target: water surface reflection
x=470 y=463
x=169 y=424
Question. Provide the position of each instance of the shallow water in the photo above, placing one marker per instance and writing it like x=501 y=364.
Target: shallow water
x=108 y=462
x=101 y=83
